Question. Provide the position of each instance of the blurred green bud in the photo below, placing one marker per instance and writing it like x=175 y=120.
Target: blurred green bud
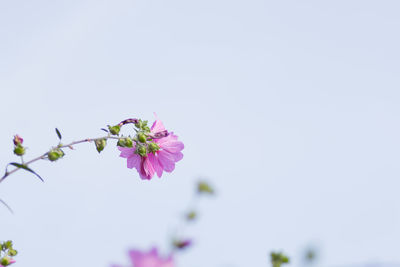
x=310 y=255
x=114 y=130
x=12 y=252
x=125 y=142
x=5 y=261
x=277 y=259
x=191 y=215
x=55 y=154
x=153 y=147
x=8 y=244
x=142 y=137
x=100 y=144
x=19 y=150
x=203 y=187
x=142 y=151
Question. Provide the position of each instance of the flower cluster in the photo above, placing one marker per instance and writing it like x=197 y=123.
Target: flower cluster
x=148 y=259
x=6 y=253
x=153 y=150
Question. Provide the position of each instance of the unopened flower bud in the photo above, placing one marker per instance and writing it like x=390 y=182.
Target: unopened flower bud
x=114 y=130
x=5 y=261
x=153 y=147
x=142 y=151
x=8 y=244
x=182 y=244
x=277 y=259
x=203 y=187
x=19 y=150
x=142 y=137
x=12 y=252
x=160 y=134
x=18 y=140
x=100 y=144
x=55 y=154
x=125 y=142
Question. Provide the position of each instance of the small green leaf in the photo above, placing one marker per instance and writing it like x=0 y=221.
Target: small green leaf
x=58 y=134
x=18 y=165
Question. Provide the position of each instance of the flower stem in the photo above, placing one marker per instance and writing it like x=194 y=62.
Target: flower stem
x=44 y=156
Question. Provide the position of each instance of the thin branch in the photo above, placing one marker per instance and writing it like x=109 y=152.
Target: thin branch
x=44 y=156
x=5 y=204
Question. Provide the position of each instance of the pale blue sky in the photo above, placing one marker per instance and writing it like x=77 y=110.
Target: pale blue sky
x=290 y=108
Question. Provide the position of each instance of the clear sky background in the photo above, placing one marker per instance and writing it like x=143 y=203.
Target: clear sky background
x=290 y=108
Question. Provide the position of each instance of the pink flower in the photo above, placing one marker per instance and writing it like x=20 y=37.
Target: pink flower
x=148 y=259
x=164 y=159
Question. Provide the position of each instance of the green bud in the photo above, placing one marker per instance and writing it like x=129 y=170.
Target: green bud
x=12 y=252
x=128 y=142
x=19 y=150
x=142 y=137
x=125 y=142
x=5 y=261
x=191 y=215
x=153 y=147
x=203 y=187
x=55 y=154
x=8 y=244
x=277 y=259
x=100 y=144
x=142 y=151
x=139 y=124
x=114 y=130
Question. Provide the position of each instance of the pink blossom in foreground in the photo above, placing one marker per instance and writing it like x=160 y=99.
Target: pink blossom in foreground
x=148 y=259
x=162 y=160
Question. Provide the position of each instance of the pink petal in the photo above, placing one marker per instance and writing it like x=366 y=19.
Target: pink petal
x=157 y=166
x=153 y=252
x=148 y=168
x=142 y=173
x=166 y=159
x=133 y=161
x=157 y=126
x=172 y=146
x=177 y=156
x=135 y=255
x=126 y=152
x=168 y=138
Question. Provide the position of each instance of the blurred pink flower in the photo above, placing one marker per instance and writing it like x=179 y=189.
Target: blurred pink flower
x=162 y=160
x=148 y=259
